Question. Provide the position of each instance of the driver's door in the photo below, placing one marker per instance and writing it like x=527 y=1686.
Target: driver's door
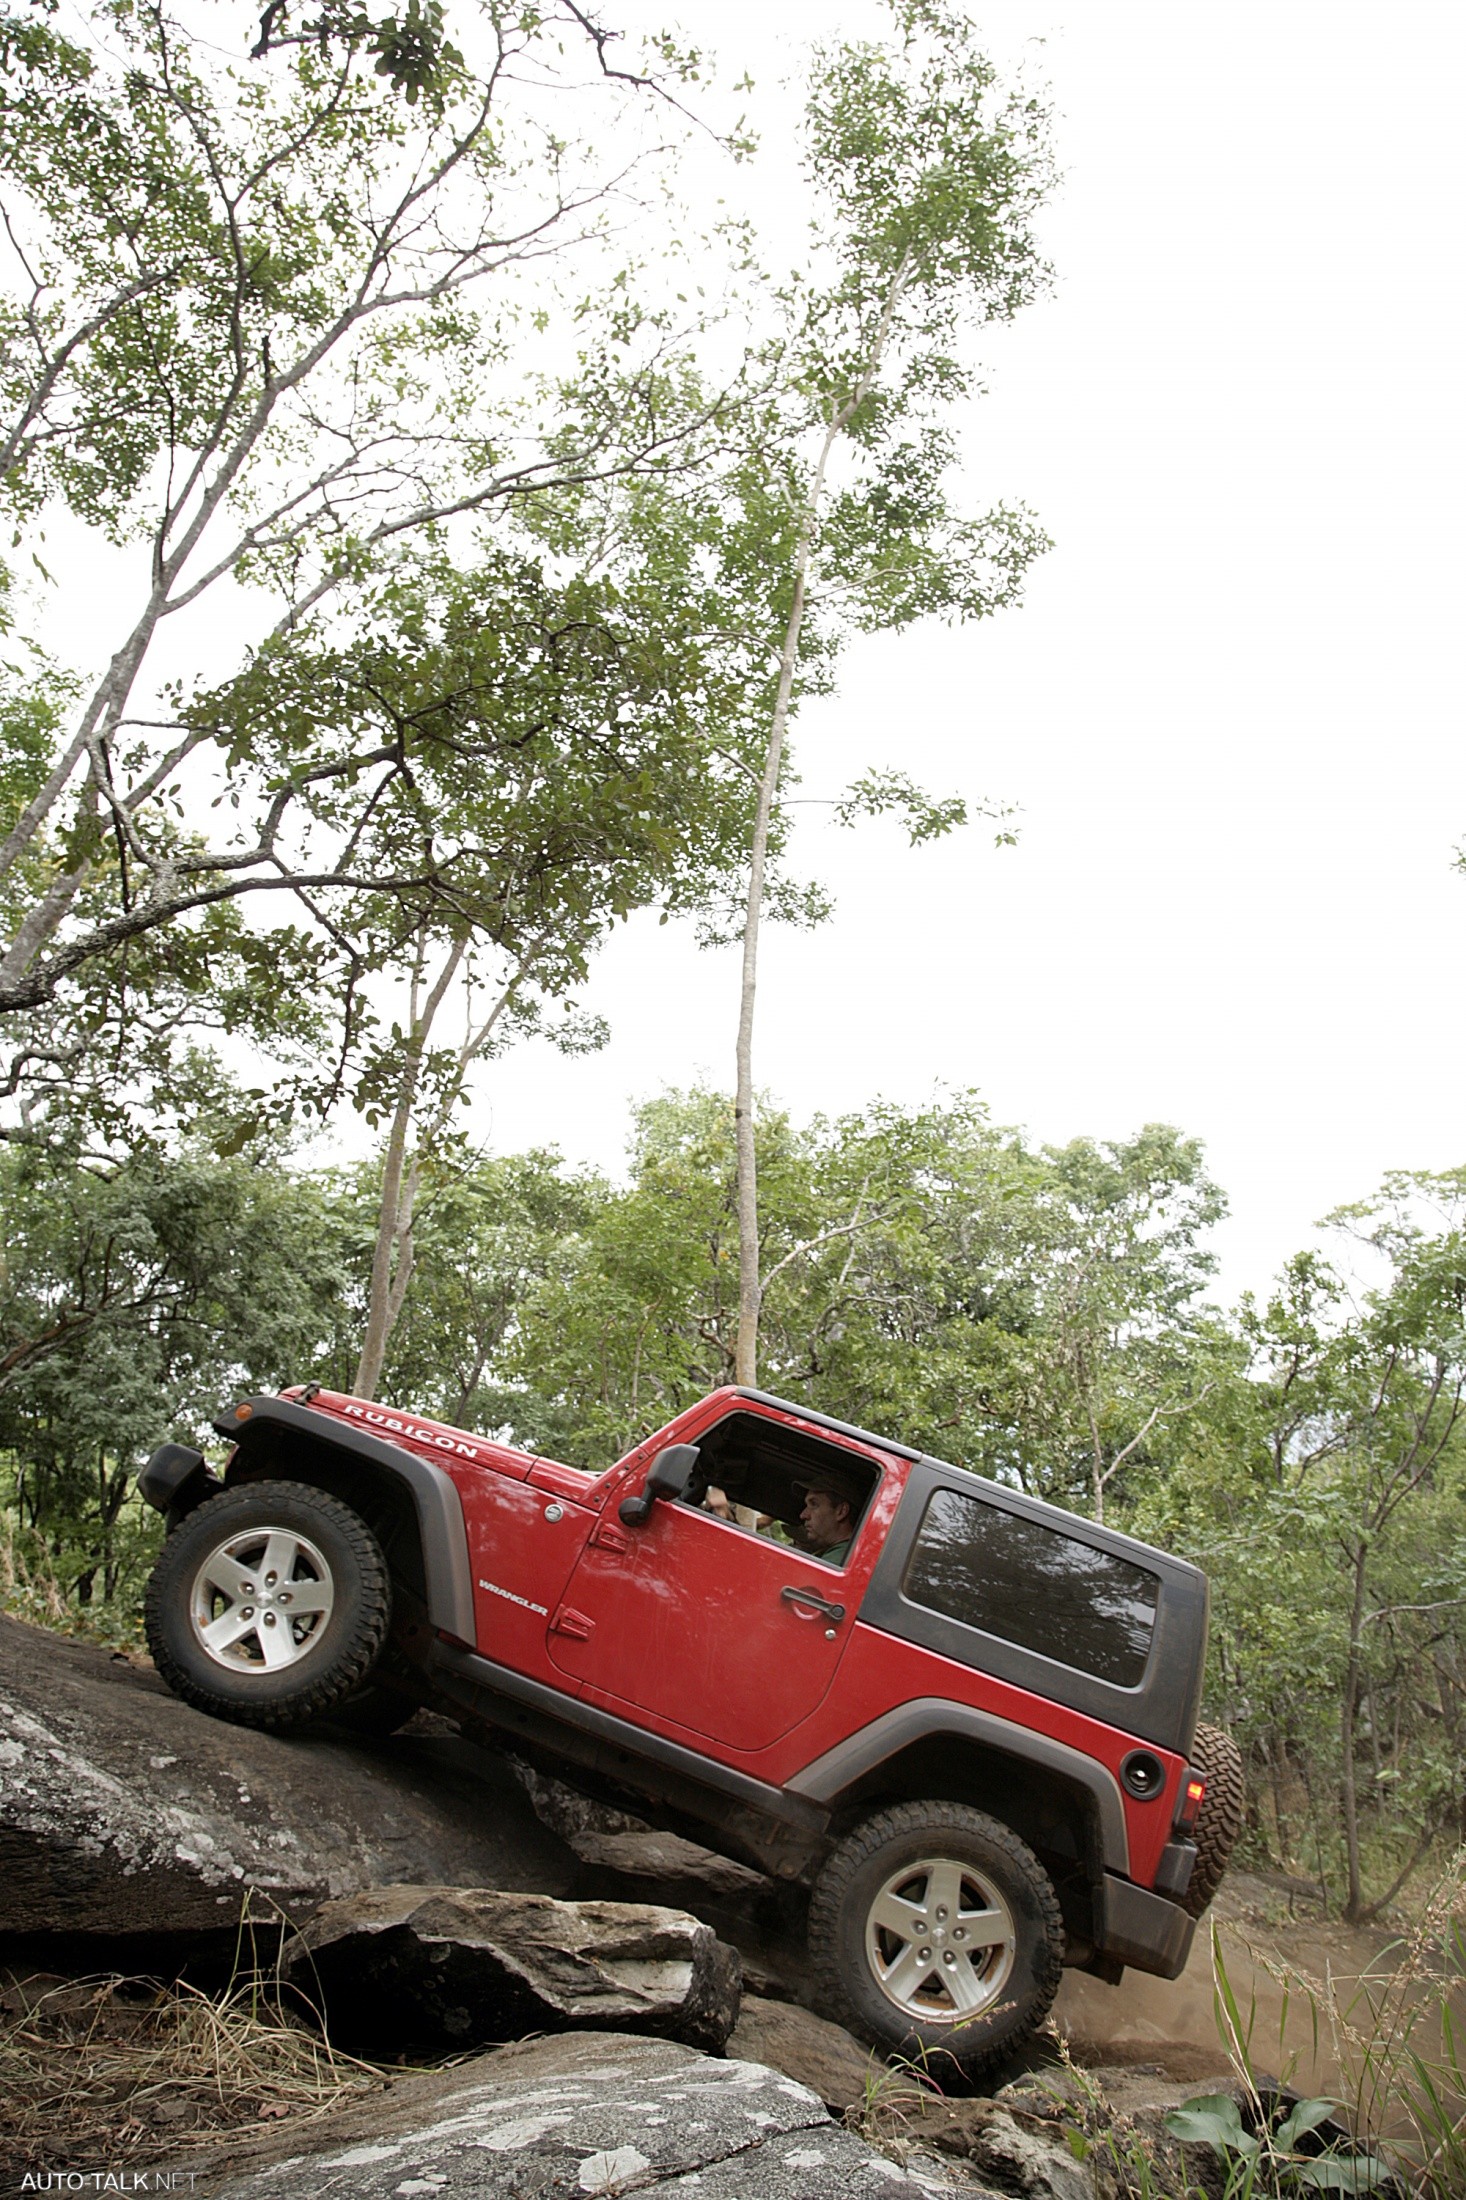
x=689 y=1620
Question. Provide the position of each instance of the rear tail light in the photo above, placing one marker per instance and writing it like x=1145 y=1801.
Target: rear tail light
x=1193 y=1792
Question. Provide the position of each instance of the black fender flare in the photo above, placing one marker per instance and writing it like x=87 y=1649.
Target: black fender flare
x=448 y=1575
x=827 y=1777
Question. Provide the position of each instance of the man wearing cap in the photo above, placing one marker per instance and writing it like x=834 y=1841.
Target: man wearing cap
x=828 y=1517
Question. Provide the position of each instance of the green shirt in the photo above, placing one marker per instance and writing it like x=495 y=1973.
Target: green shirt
x=837 y=1553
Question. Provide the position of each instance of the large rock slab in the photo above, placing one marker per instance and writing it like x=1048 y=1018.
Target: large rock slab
x=566 y=2118
x=428 y=1968
x=126 y=1815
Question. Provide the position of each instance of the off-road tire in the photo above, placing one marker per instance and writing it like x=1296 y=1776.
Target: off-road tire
x=860 y=1872
x=1216 y=1756
x=342 y=1649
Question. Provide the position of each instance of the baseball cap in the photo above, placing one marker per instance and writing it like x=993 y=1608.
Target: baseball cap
x=835 y=1481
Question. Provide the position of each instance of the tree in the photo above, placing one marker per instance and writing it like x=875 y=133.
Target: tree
x=918 y=1270
x=254 y=317
x=132 y=1298
x=1325 y=1501
x=487 y=1233
x=537 y=764
x=1114 y=1346
x=927 y=178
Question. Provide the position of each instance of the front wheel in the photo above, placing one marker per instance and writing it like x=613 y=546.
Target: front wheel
x=269 y=1605
x=936 y=1932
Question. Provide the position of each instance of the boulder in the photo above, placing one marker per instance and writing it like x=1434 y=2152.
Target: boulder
x=567 y=1810
x=682 y=1872
x=624 y=1859
x=834 y=2065
x=571 y=2117
x=428 y=1968
x=1018 y=2153
x=621 y=1852
x=130 y=1819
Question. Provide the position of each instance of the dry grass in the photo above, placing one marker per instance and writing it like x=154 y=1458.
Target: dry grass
x=28 y=1586
x=110 y=2071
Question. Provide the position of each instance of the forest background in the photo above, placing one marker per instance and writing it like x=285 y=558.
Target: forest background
x=519 y=537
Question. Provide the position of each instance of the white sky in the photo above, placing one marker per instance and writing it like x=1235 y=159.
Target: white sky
x=1229 y=710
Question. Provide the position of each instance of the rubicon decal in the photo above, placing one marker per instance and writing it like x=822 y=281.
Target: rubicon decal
x=416 y=1430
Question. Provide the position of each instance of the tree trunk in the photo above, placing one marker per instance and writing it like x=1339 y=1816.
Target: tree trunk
x=108 y=703
x=392 y=1255
x=1349 y=1712
x=750 y=1290
x=1276 y=1762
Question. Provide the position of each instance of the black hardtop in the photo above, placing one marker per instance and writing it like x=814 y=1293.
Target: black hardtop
x=825 y=1420
x=1157 y=1702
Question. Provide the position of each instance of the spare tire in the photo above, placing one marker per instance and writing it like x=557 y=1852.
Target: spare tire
x=1218 y=1759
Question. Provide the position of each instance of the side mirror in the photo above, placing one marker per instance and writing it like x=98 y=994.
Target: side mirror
x=668 y=1476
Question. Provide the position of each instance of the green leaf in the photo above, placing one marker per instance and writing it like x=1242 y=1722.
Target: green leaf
x=1307 y=2116
x=1343 y=2173
x=1212 y=2119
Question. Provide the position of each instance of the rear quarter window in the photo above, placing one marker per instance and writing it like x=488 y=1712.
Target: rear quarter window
x=1034 y=1586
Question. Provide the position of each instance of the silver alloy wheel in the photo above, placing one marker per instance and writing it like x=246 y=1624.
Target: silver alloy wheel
x=940 y=1941
x=261 y=1600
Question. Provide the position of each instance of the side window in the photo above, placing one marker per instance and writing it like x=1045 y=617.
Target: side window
x=1034 y=1586
x=802 y=1492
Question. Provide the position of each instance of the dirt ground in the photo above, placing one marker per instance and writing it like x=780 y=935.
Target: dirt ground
x=1301 y=1983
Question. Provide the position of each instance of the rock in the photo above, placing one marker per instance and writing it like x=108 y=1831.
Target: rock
x=1109 y=2092
x=566 y=1811
x=126 y=1816
x=624 y=1859
x=1007 y=2149
x=823 y=2056
x=683 y=1874
x=426 y=1968
x=758 y=1978
x=570 y=2117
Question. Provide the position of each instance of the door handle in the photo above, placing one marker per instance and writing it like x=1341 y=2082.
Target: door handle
x=573 y=1624
x=812 y=1597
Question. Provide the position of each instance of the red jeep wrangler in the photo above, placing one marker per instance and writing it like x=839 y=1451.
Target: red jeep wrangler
x=972 y=1732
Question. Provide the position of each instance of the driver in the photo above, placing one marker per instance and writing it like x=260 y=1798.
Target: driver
x=828 y=1516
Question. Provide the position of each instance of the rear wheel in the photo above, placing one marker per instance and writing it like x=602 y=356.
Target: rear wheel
x=935 y=1931
x=269 y=1605
x=1219 y=1821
